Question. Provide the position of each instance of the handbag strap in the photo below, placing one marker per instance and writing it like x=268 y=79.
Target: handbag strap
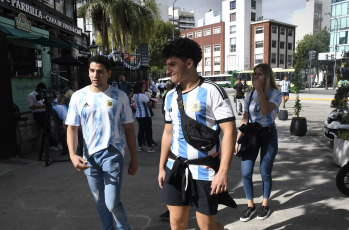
x=182 y=112
x=248 y=107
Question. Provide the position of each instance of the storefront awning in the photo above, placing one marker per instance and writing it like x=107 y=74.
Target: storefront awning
x=51 y=42
x=14 y=33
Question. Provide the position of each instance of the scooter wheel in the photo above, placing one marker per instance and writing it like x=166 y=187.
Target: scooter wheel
x=342 y=179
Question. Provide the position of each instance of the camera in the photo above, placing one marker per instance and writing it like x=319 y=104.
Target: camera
x=46 y=95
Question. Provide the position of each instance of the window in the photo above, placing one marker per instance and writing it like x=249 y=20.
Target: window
x=274 y=29
x=207 y=62
x=258 y=58
x=69 y=8
x=259 y=44
x=289 y=46
x=49 y=3
x=207 y=73
x=343 y=37
x=253 y=16
x=290 y=33
x=273 y=44
x=232 y=29
x=190 y=35
x=25 y=61
x=233 y=17
x=207 y=49
x=198 y=34
x=232 y=5
x=282 y=45
x=232 y=44
x=182 y=35
x=207 y=32
x=217 y=30
x=253 y=4
x=289 y=60
x=217 y=60
x=282 y=59
x=216 y=72
x=217 y=48
x=282 y=31
x=259 y=30
x=60 y=6
x=273 y=58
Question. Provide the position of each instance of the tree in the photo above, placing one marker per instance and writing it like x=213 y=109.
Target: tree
x=128 y=23
x=162 y=34
x=318 y=42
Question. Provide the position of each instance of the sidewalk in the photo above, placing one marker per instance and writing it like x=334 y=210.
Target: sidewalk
x=57 y=197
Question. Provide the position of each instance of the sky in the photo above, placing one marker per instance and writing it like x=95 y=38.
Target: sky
x=279 y=10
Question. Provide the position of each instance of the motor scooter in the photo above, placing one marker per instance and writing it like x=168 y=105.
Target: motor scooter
x=342 y=179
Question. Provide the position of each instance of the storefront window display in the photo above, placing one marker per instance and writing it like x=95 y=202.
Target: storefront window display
x=25 y=62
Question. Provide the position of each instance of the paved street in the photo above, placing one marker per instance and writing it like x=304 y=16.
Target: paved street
x=34 y=197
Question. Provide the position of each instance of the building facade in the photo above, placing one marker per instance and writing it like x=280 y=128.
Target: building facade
x=339 y=28
x=316 y=14
x=238 y=16
x=182 y=19
x=272 y=42
x=212 y=41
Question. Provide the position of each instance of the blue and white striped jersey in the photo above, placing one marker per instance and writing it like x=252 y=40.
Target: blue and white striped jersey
x=142 y=110
x=208 y=104
x=285 y=86
x=275 y=96
x=100 y=116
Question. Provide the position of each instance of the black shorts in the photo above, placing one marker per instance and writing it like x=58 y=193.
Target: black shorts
x=203 y=203
x=284 y=94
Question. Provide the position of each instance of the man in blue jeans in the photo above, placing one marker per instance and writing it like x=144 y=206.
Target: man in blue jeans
x=101 y=110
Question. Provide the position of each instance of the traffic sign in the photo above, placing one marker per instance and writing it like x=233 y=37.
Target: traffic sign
x=330 y=56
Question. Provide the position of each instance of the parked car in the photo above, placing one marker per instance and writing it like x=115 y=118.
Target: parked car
x=332 y=125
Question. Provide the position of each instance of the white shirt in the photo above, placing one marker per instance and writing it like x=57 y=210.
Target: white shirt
x=31 y=100
x=100 y=116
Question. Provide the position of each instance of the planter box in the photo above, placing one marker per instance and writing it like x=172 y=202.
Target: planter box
x=340 y=151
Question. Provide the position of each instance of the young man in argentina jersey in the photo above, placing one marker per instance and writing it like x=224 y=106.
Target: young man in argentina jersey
x=101 y=110
x=285 y=89
x=208 y=104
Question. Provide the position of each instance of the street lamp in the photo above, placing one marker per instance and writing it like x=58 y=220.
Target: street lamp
x=335 y=54
x=94 y=46
x=173 y=19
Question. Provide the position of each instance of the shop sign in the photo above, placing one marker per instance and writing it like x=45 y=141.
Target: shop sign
x=22 y=23
x=40 y=14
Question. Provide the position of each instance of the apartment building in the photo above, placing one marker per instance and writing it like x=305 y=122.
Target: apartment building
x=237 y=16
x=183 y=19
x=316 y=14
x=212 y=41
x=339 y=25
x=272 y=42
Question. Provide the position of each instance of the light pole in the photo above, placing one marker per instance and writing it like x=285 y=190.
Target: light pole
x=173 y=19
x=335 y=54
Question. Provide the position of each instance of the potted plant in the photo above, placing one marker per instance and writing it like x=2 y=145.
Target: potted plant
x=341 y=142
x=298 y=124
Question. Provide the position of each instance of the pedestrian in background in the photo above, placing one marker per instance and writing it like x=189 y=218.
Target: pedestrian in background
x=101 y=110
x=207 y=103
x=240 y=95
x=261 y=108
x=125 y=86
x=73 y=87
x=285 y=86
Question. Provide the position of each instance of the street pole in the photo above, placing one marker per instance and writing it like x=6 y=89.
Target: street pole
x=173 y=19
x=335 y=55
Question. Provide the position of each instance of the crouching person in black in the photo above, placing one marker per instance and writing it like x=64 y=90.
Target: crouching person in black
x=191 y=172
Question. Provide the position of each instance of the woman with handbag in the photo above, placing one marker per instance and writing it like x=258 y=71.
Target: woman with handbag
x=261 y=106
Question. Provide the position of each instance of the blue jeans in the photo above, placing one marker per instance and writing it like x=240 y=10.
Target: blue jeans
x=267 y=156
x=104 y=178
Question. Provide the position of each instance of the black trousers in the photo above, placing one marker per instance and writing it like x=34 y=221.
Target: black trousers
x=40 y=118
x=144 y=131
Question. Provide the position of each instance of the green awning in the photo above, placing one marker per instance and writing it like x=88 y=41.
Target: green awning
x=52 y=42
x=14 y=33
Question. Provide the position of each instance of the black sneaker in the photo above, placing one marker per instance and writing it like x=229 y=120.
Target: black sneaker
x=263 y=213
x=165 y=215
x=248 y=213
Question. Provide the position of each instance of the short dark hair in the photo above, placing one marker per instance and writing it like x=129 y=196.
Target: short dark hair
x=183 y=48
x=40 y=86
x=138 y=87
x=100 y=59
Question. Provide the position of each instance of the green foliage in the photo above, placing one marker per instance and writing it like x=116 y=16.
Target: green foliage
x=162 y=34
x=157 y=73
x=344 y=135
x=317 y=42
x=297 y=107
x=297 y=86
x=340 y=102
